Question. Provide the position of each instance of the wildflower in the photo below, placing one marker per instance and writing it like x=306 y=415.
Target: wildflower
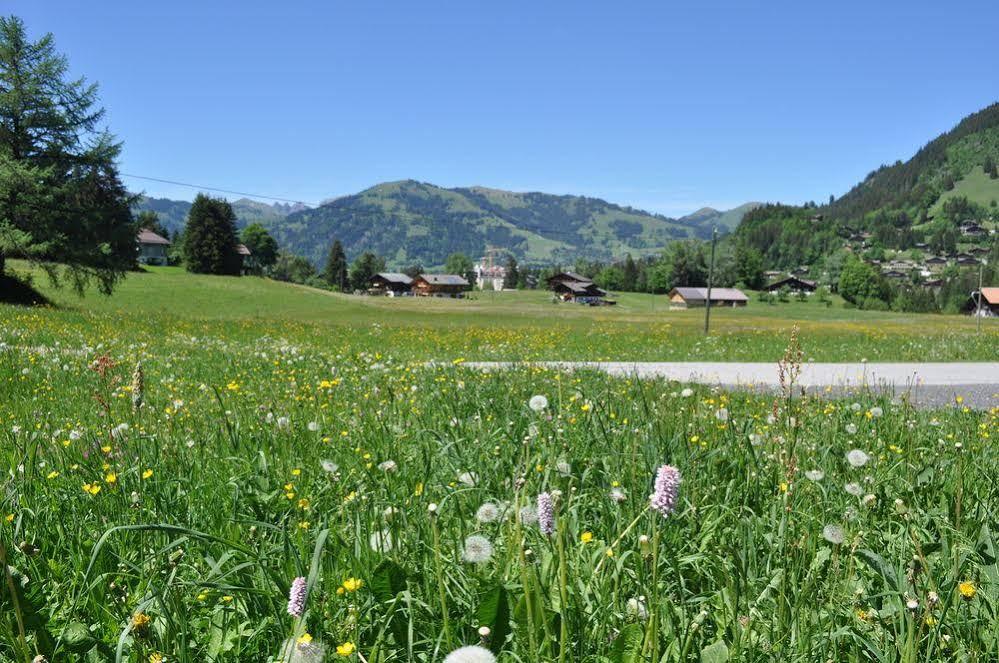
x=815 y=475
x=563 y=467
x=470 y=654
x=528 y=515
x=52 y=475
x=111 y=478
x=857 y=458
x=833 y=534
x=470 y=479
x=346 y=649
x=352 y=584
x=137 y=386
x=538 y=403
x=618 y=495
x=329 y=467
x=140 y=621
x=147 y=473
x=487 y=513
x=851 y=428
x=586 y=537
x=687 y=392
x=912 y=604
x=296 y=597
x=478 y=549
x=636 y=608
x=91 y=488
x=381 y=541
x=388 y=466
x=876 y=412
x=667 y=489
x=546 y=514
x=721 y=414
x=967 y=589
x=283 y=422
x=157 y=657
x=313 y=426
x=854 y=489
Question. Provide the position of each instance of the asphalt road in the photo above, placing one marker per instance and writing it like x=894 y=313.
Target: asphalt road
x=925 y=384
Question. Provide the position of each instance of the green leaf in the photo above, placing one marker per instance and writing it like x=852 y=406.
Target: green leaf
x=387 y=580
x=494 y=612
x=628 y=645
x=716 y=652
x=76 y=637
x=881 y=567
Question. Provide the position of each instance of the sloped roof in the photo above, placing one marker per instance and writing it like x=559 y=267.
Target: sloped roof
x=443 y=279
x=570 y=276
x=147 y=236
x=242 y=250
x=717 y=294
x=395 y=277
x=991 y=295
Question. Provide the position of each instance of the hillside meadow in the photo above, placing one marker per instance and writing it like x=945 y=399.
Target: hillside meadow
x=206 y=469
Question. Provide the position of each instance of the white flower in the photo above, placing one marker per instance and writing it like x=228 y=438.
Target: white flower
x=815 y=475
x=283 y=422
x=313 y=426
x=851 y=428
x=869 y=500
x=75 y=434
x=381 y=541
x=296 y=651
x=833 y=534
x=329 y=467
x=538 y=403
x=563 y=467
x=721 y=414
x=468 y=478
x=618 y=495
x=876 y=412
x=487 y=513
x=687 y=392
x=528 y=515
x=478 y=549
x=388 y=466
x=855 y=407
x=854 y=489
x=470 y=654
x=637 y=608
x=857 y=458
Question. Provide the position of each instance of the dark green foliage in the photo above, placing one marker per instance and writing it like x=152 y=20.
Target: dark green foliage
x=367 y=265
x=335 y=272
x=150 y=220
x=460 y=264
x=292 y=268
x=494 y=612
x=629 y=275
x=210 y=237
x=749 y=266
x=61 y=199
x=512 y=278
x=862 y=286
x=263 y=248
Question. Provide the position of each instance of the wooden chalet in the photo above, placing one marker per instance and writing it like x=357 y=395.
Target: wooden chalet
x=989 y=303
x=573 y=287
x=792 y=283
x=152 y=248
x=439 y=285
x=392 y=284
x=688 y=297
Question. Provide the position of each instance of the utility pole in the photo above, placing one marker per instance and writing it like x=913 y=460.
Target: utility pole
x=978 y=311
x=711 y=273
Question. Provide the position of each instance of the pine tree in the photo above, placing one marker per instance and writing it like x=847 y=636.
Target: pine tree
x=512 y=277
x=367 y=265
x=210 y=237
x=629 y=275
x=61 y=198
x=335 y=272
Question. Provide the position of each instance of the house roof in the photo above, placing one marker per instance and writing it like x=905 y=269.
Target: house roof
x=242 y=250
x=147 y=236
x=991 y=295
x=394 y=277
x=443 y=279
x=789 y=279
x=570 y=276
x=717 y=294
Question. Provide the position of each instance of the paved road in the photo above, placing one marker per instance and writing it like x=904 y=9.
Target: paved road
x=927 y=384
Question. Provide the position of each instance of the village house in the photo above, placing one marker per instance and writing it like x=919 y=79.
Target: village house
x=243 y=252
x=893 y=274
x=989 y=303
x=440 y=285
x=966 y=260
x=152 y=248
x=573 y=287
x=391 y=284
x=792 y=283
x=935 y=262
x=687 y=297
x=970 y=228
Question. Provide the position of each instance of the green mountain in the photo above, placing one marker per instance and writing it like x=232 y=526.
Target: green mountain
x=173 y=213
x=410 y=222
x=725 y=221
x=919 y=203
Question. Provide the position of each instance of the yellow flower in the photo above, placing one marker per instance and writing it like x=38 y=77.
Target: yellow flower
x=352 y=584
x=303 y=525
x=106 y=448
x=146 y=474
x=304 y=639
x=295 y=472
x=303 y=504
x=346 y=649
x=202 y=596
x=586 y=537
x=110 y=478
x=967 y=589
x=52 y=475
x=9 y=517
x=156 y=657
x=140 y=621
x=418 y=490
x=91 y=488
x=227 y=599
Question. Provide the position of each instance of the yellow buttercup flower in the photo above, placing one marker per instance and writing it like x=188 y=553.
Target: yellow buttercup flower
x=111 y=478
x=346 y=649
x=147 y=473
x=967 y=589
x=352 y=584
x=586 y=537
x=91 y=488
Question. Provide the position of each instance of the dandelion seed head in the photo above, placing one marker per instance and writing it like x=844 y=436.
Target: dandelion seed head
x=478 y=549
x=470 y=654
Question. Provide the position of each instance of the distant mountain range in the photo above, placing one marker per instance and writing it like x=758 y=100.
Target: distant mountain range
x=410 y=222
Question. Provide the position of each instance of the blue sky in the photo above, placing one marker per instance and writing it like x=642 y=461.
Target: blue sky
x=666 y=105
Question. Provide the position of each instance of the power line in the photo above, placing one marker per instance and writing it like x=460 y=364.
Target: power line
x=218 y=190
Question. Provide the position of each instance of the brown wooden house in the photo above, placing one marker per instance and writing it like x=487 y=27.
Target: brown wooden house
x=392 y=284
x=440 y=285
x=573 y=287
x=792 y=283
x=685 y=297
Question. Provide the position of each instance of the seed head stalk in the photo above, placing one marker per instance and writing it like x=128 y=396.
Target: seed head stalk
x=441 y=591
x=563 y=589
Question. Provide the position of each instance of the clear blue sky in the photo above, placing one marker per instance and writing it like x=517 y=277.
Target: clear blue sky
x=666 y=105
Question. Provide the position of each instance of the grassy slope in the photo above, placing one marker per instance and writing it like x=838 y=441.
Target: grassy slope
x=976 y=186
x=509 y=325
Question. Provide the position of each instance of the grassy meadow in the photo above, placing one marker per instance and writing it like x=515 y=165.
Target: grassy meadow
x=286 y=479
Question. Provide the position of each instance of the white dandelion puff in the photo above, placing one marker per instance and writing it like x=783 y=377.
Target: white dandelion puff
x=488 y=513
x=478 y=549
x=538 y=403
